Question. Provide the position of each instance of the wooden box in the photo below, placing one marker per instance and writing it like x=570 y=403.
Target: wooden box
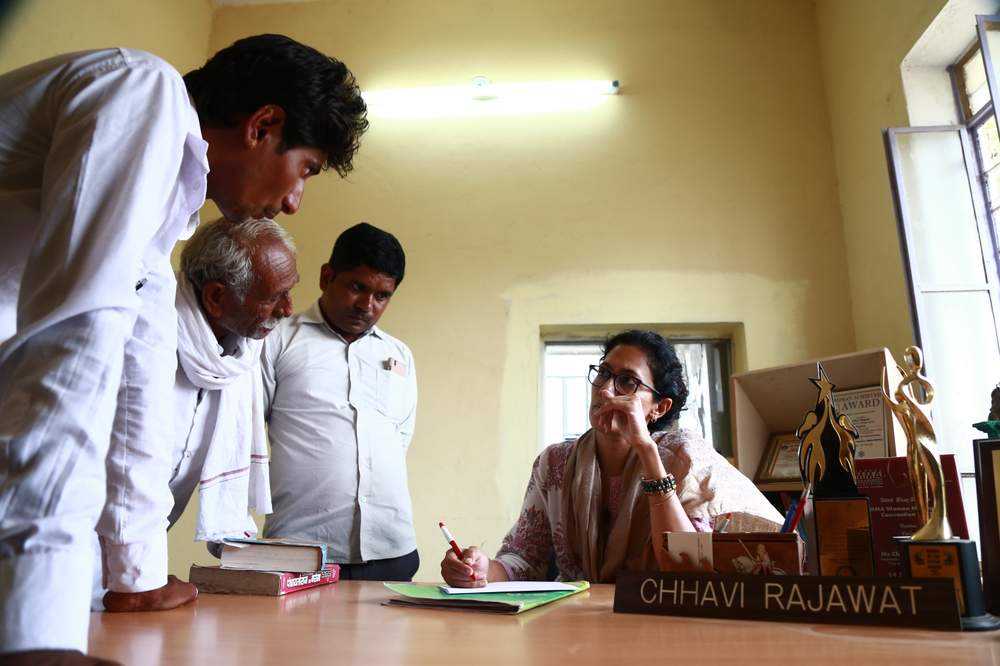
x=769 y=553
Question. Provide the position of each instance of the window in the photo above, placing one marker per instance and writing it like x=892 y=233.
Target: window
x=566 y=391
x=946 y=189
x=975 y=106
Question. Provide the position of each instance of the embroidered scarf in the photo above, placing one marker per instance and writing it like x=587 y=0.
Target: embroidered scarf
x=603 y=550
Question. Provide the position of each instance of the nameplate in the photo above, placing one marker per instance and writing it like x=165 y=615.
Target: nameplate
x=896 y=602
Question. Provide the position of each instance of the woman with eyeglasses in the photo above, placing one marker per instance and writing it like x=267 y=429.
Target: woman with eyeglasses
x=592 y=504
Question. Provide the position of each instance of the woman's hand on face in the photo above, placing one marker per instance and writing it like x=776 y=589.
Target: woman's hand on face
x=622 y=415
x=470 y=571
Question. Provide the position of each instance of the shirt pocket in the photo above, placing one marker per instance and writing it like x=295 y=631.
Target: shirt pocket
x=382 y=390
x=391 y=399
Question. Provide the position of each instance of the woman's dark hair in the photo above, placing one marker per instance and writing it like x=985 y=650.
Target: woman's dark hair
x=365 y=245
x=668 y=373
x=322 y=103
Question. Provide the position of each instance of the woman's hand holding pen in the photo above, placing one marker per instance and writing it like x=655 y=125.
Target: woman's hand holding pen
x=469 y=571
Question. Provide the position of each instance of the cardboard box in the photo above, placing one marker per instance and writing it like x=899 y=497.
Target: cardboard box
x=773 y=401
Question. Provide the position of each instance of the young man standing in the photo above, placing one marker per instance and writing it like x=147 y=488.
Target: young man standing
x=105 y=159
x=341 y=403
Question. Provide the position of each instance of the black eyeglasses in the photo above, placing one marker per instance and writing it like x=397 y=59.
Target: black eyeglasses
x=624 y=384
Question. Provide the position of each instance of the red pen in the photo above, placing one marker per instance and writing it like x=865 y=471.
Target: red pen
x=794 y=522
x=451 y=540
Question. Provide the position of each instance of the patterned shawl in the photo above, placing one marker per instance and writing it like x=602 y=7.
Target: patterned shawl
x=707 y=486
x=600 y=552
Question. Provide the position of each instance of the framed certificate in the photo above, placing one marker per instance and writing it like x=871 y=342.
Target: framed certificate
x=866 y=409
x=780 y=461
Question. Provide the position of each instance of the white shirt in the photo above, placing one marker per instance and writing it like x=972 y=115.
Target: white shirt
x=339 y=423
x=145 y=158
x=102 y=168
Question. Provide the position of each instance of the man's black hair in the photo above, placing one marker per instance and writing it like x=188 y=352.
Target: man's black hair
x=365 y=245
x=322 y=103
x=666 y=368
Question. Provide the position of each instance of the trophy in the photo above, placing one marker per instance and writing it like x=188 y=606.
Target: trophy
x=838 y=525
x=932 y=551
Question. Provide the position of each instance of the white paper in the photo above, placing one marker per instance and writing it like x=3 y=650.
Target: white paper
x=696 y=545
x=509 y=586
x=864 y=406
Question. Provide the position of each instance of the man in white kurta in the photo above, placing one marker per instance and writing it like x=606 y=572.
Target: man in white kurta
x=224 y=311
x=342 y=398
x=94 y=192
x=104 y=162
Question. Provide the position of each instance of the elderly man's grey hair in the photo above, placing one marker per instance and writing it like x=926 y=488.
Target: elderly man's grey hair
x=221 y=251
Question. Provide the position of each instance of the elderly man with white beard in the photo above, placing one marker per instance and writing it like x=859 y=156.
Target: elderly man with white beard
x=232 y=289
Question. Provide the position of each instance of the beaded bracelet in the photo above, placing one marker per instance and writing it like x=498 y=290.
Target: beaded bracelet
x=663 y=486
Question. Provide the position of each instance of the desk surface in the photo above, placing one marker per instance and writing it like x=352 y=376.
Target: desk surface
x=344 y=623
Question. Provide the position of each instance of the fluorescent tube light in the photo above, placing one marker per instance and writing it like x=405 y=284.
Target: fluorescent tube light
x=482 y=97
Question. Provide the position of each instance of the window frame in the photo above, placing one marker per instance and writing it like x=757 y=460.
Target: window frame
x=972 y=122
x=968 y=125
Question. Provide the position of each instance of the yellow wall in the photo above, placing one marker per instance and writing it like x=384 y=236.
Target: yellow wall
x=175 y=30
x=705 y=192
x=862 y=45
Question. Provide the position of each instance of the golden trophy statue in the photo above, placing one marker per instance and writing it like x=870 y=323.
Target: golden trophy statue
x=932 y=551
x=837 y=518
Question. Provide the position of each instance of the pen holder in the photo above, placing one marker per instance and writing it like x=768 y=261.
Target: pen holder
x=772 y=553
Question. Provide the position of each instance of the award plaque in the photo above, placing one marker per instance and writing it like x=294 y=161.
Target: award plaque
x=843 y=536
x=948 y=559
x=932 y=552
x=838 y=523
x=988 y=490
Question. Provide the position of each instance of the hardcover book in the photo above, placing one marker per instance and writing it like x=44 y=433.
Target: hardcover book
x=216 y=580
x=272 y=555
x=886 y=482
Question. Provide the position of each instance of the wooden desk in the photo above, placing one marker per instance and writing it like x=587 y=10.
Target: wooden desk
x=344 y=624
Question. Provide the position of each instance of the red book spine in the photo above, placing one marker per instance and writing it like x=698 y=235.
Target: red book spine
x=293 y=582
x=886 y=481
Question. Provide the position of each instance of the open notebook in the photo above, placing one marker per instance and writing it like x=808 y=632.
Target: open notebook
x=432 y=596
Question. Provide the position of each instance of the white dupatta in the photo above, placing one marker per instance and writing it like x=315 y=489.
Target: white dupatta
x=234 y=477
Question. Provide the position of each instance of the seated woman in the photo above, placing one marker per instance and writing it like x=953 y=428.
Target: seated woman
x=593 y=503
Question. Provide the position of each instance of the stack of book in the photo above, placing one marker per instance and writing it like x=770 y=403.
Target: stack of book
x=271 y=567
